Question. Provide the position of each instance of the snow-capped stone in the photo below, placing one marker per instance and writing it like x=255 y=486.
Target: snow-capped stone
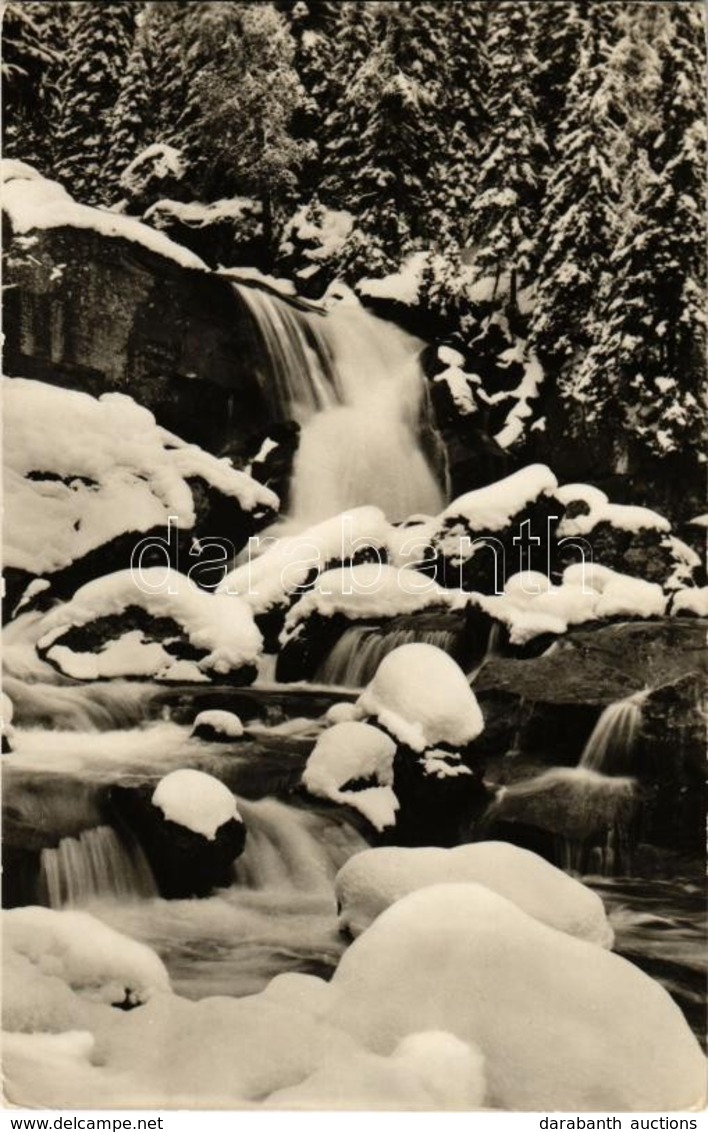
x=195 y=800
x=219 y=726
x=79 y=471
x=219 y=629
x=353 y=752
x=422 y=697
x=620 y=594
x=492 y=508
x=598 y=1033
x=342 y=713
x=374 y=879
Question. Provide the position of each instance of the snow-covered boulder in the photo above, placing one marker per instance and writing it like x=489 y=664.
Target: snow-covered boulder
x=216 y=726
x=33 y=203
x=371 y=881
x=291 y=564
x=195 y=800
x=62 y=954
x=597 y=1033
x=422 y=697
x=157 y=171
x=226 y=231
x=486 y=535
x=312 y=242
x=620 y=595
x=343 y=712
x=155 y=624
x=87 y=477
x=628 y=539
x=372 y=591
x=352 y=763
x=189 y=827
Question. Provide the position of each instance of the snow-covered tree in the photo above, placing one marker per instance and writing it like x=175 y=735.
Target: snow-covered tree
x=31 y=53
x=504 y=213
x=580 y=220
x=132 y=122
x=100 y=41
x=241 y=105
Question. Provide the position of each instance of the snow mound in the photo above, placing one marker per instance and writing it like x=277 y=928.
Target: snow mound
x=225 y=723
x=620 y=594
x=80 y=471
x=427 y=1071
x=79 y=951
x=370 y=590
x=692 y=601
x=356 y=753
x=342 y=713
x=33 y=203
x=422 y=697
x=195 y=800
x=374 y=879
x=220 y=627
x=597 y=1034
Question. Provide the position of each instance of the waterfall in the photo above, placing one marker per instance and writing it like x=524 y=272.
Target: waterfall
x=611 y=744
x=355 y=385
x=289 y=848
x=357 y=654
x=97 y=863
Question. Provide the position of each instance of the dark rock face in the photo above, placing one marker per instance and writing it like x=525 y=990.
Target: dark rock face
x=183 y=863
x=102 y=314
x=435 y=810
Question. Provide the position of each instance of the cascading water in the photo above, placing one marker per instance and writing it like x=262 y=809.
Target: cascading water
x=611 y=744
x=94 y=864
x=588 y=815
x=357 y=654
x=279 y=914
x=355 y=386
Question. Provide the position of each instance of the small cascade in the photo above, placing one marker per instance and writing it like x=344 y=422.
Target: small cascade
x=355 y=385
x=289 y=848
x=611 y=745
x=494 y=648
x=588 y=817
x=97 y=863
x=93 y=707
x=358 y=653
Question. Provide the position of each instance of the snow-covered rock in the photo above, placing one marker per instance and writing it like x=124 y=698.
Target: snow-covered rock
x=342 y=713
x=371 y=590
x=223 y=231
x=217 y=726
x=152 y=624
x=597 y=1033
x=402 y=286
x=34 y=203
x=81 y=471
x=157 y=169
x=371 y=881
x=196 y=800
x=493 y=508
x=422 y=697
x=75 y=949
x=352 y=763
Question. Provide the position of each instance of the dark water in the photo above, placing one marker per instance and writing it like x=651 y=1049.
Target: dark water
x=661 y=925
